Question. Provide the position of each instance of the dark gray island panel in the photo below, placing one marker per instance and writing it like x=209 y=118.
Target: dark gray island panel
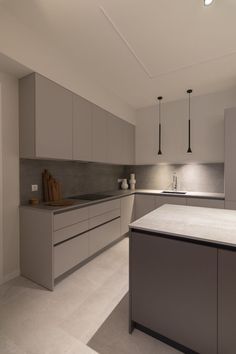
x=174 y=290
x=227 y=302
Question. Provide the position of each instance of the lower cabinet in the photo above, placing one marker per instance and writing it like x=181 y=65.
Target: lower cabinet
x=206 y=203
x=126 y=213
x=144 y=204
x=70 y=253
x=103 y=235
x=161 y=200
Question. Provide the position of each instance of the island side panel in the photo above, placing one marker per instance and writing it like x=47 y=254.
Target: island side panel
x=174 y=290
x=227 y=301
x=36 y=246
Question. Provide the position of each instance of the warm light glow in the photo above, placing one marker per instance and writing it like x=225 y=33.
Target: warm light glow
x=208 y=2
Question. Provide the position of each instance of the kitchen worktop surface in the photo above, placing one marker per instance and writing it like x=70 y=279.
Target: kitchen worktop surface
x=79 y=203
x=217 y=226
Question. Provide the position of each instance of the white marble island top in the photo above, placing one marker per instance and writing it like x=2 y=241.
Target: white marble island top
x=217 y=226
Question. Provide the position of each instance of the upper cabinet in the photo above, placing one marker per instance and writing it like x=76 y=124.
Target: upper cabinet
x=82 y=129
x=45 y=119
x=55 y=123
x=99 y=134
x=120 y=141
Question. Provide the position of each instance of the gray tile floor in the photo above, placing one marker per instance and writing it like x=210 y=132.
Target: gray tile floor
x=34 y=320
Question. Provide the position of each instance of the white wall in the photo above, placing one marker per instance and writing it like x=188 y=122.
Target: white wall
x=207 y=130
x=9 y=177
x=20 y=44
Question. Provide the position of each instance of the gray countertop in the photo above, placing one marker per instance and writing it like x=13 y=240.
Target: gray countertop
x=119 y=194
x=217 y=226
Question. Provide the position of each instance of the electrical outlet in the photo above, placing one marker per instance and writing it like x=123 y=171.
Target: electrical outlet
x=34 y=187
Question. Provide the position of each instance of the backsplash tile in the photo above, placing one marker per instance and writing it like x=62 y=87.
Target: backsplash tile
x=76 y=177
x=82 y=177
x=191 y=177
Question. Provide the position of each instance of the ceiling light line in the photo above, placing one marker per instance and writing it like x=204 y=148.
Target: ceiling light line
x=202 y=62
x=144 y=67
x=128 y=45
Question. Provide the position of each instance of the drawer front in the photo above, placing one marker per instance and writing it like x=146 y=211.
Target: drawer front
x=70 y=217
x=70 y=231
x=103 y=208
x=207 y=203
x=101 y=219
x=103 y=236
x=161 y=200
x=70 y=253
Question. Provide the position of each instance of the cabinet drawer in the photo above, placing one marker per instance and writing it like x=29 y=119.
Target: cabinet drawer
x=161 y=200
x=70 y=231
x=103 y=236
x=207 y=203
x=70 y=218
x=103 y=208
x=101 y=219
x=69 y=254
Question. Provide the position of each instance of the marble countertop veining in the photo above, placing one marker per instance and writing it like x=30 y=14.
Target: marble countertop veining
x=118 y=194
x=217 y=226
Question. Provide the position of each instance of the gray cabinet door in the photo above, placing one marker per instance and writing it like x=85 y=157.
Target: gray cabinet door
x=226 y=304
x=129 y=144
x=115 y=140
x=127 y=213
x=144 y=204
x=53 y=119
x=99 y=134
x=82 y=129
x=174 y=290
x=162 y=200
x=206 y=203
x=230 y=157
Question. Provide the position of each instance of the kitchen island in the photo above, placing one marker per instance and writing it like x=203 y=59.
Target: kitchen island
x=182 y=278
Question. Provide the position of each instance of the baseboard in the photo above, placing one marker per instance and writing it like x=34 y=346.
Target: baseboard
x=11 y=276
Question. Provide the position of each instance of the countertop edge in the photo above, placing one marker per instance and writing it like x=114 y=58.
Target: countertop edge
x=121 y=194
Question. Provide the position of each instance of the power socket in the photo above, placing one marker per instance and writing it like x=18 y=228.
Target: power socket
x=34 y=187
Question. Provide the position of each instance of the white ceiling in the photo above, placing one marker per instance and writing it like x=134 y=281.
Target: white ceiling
x=139 y=49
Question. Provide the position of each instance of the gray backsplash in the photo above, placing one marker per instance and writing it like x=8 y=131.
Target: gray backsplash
x=81 y=178
x=192 y=177
x=76 y=177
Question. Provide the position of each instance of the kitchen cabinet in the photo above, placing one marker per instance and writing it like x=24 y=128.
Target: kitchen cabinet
x=144 y=204
x=230 y=157
x=70 y=253
x=226 y=304
x=161 y=200
x=116 y=129
x=82 y=129
x=99 y=134
x=174 y=290
x=45 y=119
x=103 y=235
x=127 y=213
x=64 y=239
x=208 y=203
x=128 y=143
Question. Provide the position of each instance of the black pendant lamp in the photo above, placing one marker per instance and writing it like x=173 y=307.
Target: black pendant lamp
x=189 y=151
x=159 y=149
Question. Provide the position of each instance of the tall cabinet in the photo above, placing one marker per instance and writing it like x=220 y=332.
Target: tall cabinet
x=230 y=158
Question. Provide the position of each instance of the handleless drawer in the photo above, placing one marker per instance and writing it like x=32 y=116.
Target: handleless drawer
x=104 y=207
x=103 y=236
x=101 y=219
x=69 y=254
x=70 y=217
x=70 y=231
